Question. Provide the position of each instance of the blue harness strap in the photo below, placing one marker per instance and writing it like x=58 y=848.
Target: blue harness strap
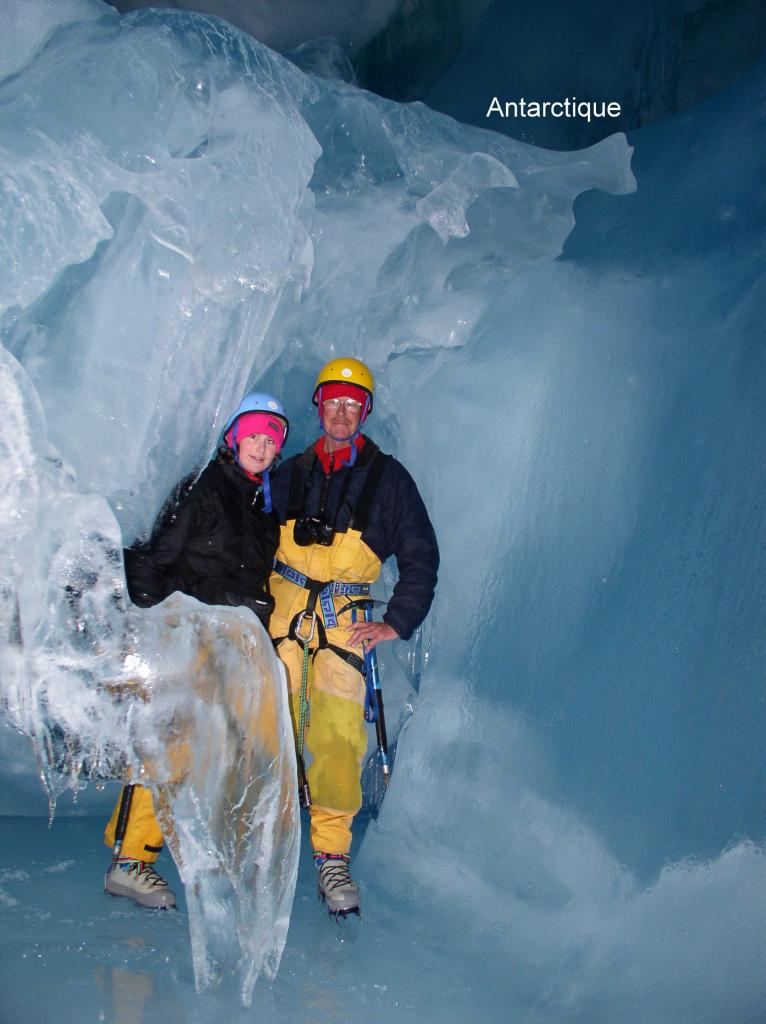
x=326 y=591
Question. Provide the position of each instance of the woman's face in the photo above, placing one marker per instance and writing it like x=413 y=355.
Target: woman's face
x=257 y=452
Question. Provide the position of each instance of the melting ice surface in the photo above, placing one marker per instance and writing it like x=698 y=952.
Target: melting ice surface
x=572 y=832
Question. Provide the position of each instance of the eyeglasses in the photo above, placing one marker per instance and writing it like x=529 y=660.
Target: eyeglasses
x=349 y=404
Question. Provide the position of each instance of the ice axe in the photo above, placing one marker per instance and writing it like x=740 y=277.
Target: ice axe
x=373 y=704
x=122 y=820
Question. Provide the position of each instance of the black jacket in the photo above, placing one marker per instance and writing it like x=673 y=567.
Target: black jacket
x=212 y=540
x=390 y=515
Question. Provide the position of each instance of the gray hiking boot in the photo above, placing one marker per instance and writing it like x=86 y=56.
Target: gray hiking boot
x=140 y=882
x=335 y=885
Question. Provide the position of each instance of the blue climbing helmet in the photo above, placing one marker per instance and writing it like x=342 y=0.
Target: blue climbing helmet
x=256 y=401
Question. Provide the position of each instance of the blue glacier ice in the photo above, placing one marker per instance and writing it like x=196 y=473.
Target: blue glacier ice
x=570 y=361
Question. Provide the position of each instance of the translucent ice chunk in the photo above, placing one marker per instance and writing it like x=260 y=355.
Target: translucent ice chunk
x=28 y=24
x=162 y=164
x=188 y=699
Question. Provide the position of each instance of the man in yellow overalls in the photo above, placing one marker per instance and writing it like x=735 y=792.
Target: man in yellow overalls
x=344 y=507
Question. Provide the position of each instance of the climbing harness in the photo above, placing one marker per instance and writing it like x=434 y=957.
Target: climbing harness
x=322 y=591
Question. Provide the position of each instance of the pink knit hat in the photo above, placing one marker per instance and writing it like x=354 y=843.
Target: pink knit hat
x=257 y=423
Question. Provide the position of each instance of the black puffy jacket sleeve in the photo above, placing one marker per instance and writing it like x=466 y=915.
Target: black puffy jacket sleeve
x=150 y=569
x=411 y=539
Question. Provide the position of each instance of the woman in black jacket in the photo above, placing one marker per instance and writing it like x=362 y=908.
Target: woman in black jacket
x=215 y=539
x=216 y=536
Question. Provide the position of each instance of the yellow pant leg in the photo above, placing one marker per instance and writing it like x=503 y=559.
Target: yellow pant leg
x=335 y=743
x=143 y=837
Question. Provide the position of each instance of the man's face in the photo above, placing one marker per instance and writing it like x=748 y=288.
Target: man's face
x=341 y=416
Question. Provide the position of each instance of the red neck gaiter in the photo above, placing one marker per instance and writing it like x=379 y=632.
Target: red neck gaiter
x=339 y=457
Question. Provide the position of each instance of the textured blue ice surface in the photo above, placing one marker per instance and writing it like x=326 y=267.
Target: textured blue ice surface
x=72 y=953
x=573 y=829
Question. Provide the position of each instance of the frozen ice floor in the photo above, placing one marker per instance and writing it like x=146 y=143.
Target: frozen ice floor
x=71 y=954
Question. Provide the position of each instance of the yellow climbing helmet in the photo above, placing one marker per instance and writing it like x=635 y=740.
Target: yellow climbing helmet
x=345 y=370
